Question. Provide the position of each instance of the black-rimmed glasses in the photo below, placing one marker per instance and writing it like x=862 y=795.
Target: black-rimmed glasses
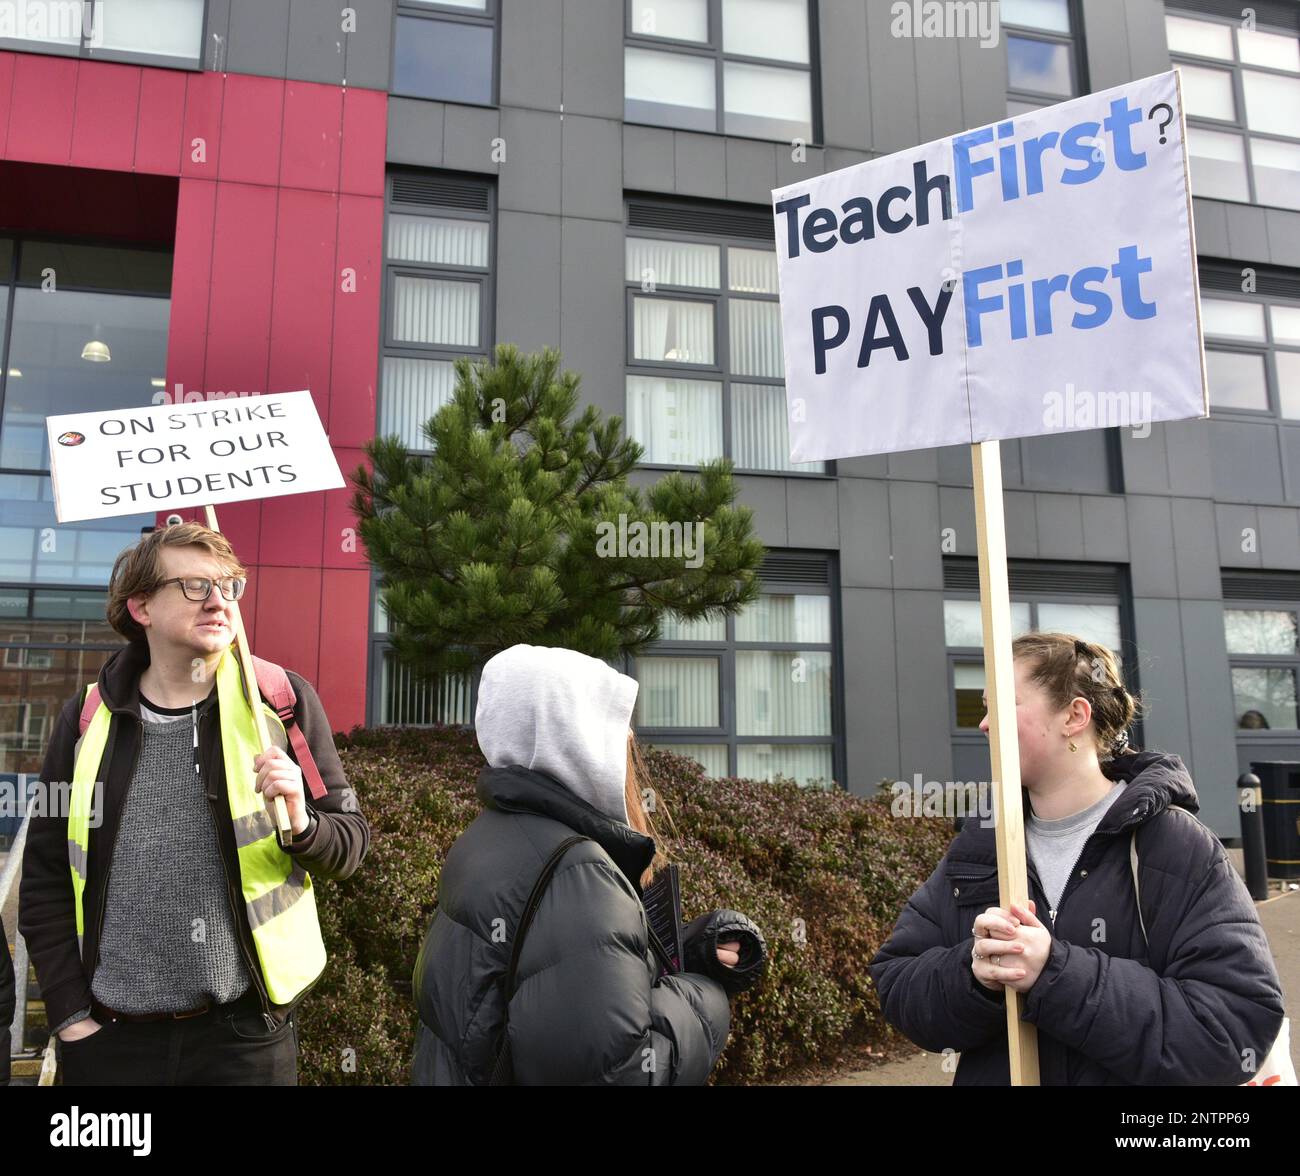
x=199 y=588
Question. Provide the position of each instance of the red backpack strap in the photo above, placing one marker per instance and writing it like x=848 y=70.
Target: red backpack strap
x=90 y=706
x=274 y=685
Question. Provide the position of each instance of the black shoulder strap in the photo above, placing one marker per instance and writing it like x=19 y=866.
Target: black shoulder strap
x=503 y=1071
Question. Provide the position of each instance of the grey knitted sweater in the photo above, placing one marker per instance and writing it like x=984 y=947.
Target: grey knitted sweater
x=169 y=940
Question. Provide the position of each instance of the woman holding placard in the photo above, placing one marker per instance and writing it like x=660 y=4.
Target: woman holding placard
x=1140 y=957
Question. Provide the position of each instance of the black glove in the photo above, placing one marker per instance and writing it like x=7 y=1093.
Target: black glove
x=700 y=939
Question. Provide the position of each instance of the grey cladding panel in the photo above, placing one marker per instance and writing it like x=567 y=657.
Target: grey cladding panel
x=259 y=37
x=891 y=74
x=1246 y=461
x=846 y=109
x=370 y=44
x=532 y=45
x=317 y=42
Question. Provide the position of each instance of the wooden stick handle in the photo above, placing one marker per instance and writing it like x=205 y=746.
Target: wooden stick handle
x=245 y=656
x=1004 y=745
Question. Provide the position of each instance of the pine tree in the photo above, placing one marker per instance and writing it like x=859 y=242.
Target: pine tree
x=510 y=530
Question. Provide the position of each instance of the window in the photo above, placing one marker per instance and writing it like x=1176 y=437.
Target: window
x=438 y=306
x=438 y=246
x=1086 y=600
x=964 y=636
x=738 y=67
x=1043 y=60
x=446 y=51
x=751 y=695
x=1252 y=354
x=1241 y=88
x=54 y=640
x=151 y=32
x=1261 y=612
x=83 y=326
x=403 y=700
x=706 y=370
x=1252 y=360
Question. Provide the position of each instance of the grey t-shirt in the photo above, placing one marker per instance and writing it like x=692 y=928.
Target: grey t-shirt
x=169 y=940
x=1056 y=845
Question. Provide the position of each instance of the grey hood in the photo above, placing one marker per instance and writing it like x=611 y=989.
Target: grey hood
x=560 y=712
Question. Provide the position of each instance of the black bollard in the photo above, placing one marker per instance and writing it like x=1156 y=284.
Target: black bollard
x=1250 y=802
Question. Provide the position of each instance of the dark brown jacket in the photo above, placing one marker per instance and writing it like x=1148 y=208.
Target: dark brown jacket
x=47 y=912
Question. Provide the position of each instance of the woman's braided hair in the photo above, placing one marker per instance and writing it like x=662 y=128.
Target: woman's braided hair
x=1067 y=667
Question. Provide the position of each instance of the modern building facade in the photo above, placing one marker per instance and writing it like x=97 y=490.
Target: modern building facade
x=242 y=196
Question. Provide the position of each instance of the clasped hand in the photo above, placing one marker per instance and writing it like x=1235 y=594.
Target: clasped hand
x=1011 y=947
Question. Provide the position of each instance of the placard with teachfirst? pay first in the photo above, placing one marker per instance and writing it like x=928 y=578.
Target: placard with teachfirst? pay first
x=137 y=460
x=1036 y=275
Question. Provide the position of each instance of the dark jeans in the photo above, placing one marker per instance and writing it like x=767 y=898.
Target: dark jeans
x=229 y=1045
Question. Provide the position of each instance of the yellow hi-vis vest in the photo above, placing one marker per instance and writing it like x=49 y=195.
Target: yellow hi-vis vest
x=278 y=892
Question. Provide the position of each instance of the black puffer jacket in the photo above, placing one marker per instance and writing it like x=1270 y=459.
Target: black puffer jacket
x=587 y=1009
x=1109 y=1010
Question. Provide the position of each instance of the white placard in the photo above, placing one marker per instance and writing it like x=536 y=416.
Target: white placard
x=168 y=457
x=1037 y=275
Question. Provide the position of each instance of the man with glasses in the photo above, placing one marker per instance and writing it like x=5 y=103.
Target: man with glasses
x=173 y=934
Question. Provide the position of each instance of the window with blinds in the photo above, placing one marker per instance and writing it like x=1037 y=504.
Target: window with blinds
x=751 y=695
x=438 y=249
x=1261 y=620
x=1086 y=601
x=706 y=370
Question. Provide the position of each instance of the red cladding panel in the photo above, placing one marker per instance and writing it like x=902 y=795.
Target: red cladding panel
x=41 y=109
x=344 y=647
x=250 y=130
x=313 y=116
x=108 y=97
x=291 y=531
x=289 y=617
x=158 y=131
x=342 y=546
x=303 y=305
x=356 y=320
x=201 y=128
x=365 y=137
x=6 y=104
x=187 y=334
x=241 y=523
x=258 y=295
x=239 y=313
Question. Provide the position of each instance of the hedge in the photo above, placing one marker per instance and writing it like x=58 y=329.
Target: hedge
x=823 y=873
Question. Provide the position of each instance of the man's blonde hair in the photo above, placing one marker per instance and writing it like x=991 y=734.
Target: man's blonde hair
x=139 y=568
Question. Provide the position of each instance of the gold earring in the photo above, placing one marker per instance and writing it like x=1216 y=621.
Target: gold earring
x=1072 y=747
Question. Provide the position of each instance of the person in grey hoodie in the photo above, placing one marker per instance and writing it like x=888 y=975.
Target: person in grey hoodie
x=591 y=1003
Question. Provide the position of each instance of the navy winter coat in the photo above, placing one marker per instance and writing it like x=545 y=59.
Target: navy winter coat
x=1109 y=1010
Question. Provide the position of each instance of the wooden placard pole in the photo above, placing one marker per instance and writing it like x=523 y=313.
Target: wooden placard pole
x=250 y=684
x=1004 y=747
